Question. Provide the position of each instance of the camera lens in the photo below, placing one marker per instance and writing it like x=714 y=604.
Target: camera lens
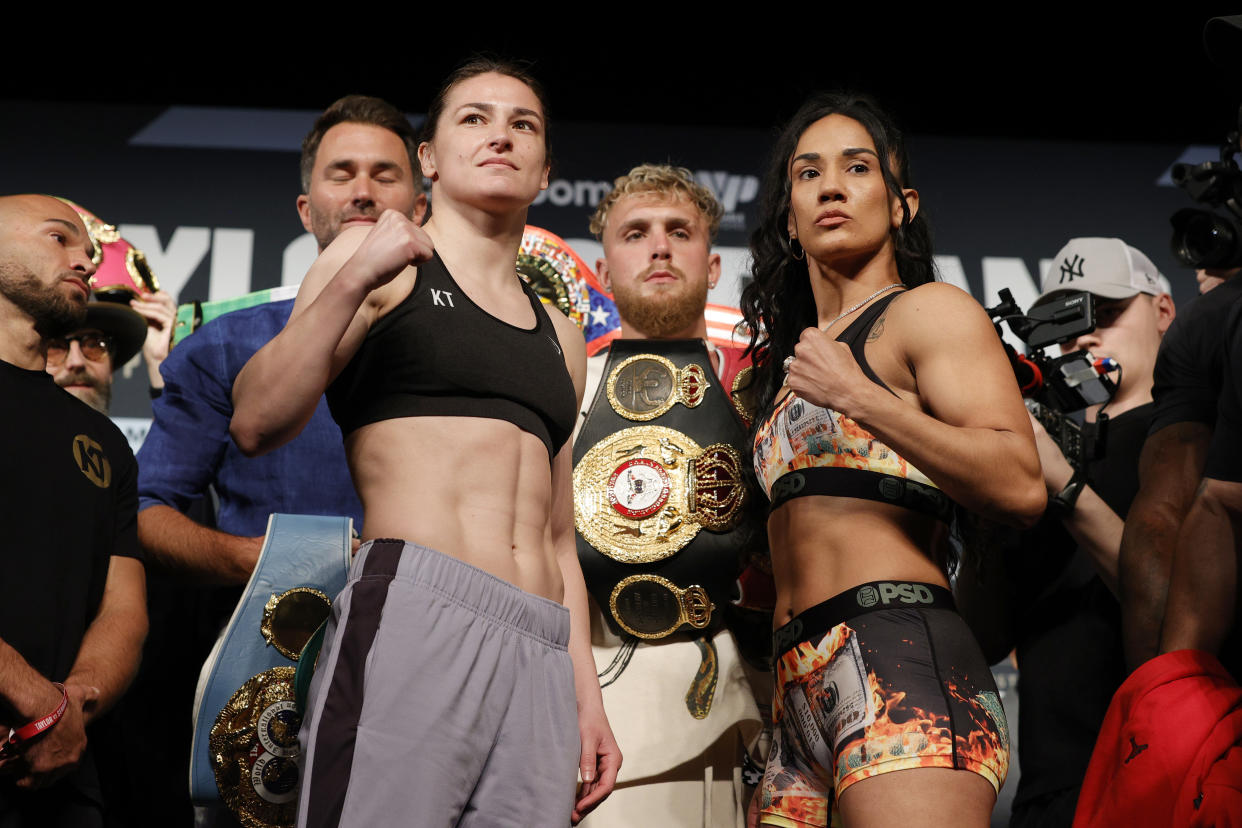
x=1202 y=239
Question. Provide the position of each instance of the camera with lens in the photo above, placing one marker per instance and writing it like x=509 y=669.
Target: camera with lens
x=1056 y=387
x=1203 y=238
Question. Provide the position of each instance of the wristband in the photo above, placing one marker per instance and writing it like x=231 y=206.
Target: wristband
x=19 y=736
x=1062 y=503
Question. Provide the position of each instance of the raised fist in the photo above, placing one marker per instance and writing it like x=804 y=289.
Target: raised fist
x=824 y=372
x=392 y=245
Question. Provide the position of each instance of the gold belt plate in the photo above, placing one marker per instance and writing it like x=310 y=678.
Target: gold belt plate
x=291 y=618
x=651 y=607
x=645 y=386
x=255 y=752
x=643 y=493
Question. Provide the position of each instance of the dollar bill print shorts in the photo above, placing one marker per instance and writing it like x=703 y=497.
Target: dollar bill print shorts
x=883 y=677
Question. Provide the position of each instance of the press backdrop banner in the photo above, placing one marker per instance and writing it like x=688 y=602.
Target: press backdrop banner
x=208 y=194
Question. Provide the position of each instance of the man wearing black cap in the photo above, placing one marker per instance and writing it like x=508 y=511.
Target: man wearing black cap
x=82 y=362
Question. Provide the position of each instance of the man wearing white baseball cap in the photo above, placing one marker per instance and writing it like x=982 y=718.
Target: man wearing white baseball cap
x=1053 y=598
x=1133 y=309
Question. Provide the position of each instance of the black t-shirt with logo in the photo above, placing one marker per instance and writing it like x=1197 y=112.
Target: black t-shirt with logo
x=69 y=501
x=68 y=492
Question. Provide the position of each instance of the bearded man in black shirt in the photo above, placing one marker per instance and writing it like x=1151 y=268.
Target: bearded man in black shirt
x=74 y=612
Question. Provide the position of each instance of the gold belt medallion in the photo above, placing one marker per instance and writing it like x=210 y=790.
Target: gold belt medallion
x=643 y=493
x=649 y=606
x=291 y=618
x=645 y=386
x=255 y=752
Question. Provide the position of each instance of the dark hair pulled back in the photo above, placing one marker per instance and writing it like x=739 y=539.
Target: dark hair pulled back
x=482 y=65
x=778 y=304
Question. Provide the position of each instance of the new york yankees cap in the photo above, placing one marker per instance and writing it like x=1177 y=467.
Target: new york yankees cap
x=1107 y=268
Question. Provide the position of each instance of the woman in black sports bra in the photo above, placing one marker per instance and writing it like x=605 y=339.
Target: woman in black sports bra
x=456 y=683
x=882 y=398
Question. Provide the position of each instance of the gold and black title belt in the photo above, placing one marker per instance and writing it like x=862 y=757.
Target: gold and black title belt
x=659 y=490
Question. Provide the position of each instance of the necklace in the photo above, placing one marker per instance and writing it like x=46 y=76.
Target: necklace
x=853 y=308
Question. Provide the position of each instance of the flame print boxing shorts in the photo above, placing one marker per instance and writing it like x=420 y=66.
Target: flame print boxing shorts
x=883 y=677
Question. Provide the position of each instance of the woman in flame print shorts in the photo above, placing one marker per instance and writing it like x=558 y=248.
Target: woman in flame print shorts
x=884 y=404
x=883 y=677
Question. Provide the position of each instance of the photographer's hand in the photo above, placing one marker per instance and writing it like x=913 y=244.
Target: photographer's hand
x=1057 y=470
x=1094 y=525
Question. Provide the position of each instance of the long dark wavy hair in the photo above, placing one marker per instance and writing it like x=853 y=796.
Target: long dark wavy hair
x=778 y=304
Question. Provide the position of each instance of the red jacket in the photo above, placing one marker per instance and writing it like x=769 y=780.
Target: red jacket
x=1170 y=749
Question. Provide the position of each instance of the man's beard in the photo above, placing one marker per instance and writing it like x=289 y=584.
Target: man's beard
x=53 y=312
x=325 y=228
x=666 y=313
x=96 y=394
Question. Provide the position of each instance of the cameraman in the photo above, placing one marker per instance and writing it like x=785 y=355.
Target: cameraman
x=1053 y=598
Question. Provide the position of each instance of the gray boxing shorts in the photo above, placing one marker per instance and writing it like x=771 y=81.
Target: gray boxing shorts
x=444 y=696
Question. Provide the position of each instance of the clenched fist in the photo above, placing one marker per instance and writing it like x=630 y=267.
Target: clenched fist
x=392 y=245
x=825 y=373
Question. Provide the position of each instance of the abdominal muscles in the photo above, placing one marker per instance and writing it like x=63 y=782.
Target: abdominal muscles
x=822 y=546
x=477 y=489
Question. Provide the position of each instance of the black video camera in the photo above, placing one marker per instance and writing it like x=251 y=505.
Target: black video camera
x=1202 y=238
x=1055 y=387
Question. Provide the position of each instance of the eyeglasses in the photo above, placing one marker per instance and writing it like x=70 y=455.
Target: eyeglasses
x=94 y=347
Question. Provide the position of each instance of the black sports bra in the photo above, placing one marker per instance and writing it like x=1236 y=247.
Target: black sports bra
x=437 y=354
x=802 y=449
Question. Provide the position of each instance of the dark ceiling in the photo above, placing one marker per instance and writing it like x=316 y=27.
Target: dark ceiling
x=1049 y=75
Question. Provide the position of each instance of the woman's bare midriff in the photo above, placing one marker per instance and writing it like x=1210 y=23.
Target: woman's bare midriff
x=477 y=489
x=822 y=546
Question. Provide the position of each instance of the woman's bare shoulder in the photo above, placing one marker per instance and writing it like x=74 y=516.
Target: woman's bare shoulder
x=939 y=309
x=938 y=297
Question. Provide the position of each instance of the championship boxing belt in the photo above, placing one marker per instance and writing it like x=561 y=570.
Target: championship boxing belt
x=659 y=490
x=245 y=751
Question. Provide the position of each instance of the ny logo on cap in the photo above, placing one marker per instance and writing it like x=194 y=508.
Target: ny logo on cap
x=1071 y=268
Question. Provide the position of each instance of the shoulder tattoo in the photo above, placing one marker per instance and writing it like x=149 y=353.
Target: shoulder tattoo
x=877 y=328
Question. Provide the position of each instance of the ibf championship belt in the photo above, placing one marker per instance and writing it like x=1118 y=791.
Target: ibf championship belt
x=659 y=491
x=246 y=718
